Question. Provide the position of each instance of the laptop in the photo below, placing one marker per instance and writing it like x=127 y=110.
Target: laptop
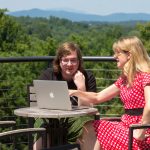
x=52 y=94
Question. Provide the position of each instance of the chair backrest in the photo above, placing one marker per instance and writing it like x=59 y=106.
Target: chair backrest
x=32 y=101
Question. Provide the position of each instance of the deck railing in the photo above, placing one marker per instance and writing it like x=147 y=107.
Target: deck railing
x=17 y=72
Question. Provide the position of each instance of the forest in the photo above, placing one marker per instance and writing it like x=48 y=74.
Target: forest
x=26 y=36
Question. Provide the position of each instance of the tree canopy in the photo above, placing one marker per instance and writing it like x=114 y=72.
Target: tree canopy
x=25 y=36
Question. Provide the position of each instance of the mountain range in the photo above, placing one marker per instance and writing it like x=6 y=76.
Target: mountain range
x=78 y=17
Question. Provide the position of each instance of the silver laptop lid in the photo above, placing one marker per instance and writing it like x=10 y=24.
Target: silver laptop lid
x=52 y=94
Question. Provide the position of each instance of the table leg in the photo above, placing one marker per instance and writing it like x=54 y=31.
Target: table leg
x=57 y=130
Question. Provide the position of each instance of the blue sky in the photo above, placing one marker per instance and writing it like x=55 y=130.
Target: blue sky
x=100 y=7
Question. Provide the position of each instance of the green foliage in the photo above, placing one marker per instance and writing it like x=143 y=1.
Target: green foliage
x=10 y=34
x=144 y=30
x=25 y=36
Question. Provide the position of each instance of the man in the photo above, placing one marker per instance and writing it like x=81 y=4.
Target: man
x=68 y=66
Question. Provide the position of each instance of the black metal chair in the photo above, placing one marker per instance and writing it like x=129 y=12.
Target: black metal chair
x=131 y=128
x=13 y=132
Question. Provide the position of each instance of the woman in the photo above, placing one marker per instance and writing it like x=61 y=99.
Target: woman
x=68 y=66
x=133 y=86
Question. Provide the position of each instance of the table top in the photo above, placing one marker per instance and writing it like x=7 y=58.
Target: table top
x=36 y=112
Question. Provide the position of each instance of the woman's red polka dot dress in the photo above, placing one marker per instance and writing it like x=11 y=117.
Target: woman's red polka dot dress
x=114 y=135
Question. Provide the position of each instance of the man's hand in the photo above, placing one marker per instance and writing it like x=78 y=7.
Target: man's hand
x=79 y=80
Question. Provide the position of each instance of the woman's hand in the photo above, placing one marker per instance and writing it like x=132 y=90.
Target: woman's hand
x=139 y=134
x=72 y=92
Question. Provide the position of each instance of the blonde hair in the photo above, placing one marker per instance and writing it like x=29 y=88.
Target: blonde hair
x=139 y=59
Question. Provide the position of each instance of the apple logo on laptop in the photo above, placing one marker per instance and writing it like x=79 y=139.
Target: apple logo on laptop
x=51 y=94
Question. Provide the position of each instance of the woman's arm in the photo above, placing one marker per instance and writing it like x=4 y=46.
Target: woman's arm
x=95 y=98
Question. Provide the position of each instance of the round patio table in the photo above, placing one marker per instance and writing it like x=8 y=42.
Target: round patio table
x=56 y=128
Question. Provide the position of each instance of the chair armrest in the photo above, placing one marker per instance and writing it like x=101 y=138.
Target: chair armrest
x=7 y=123
x=140 y=126
x=131 y=128
x=22 y=131
x=97 y=116
x=111 y=118
x=28 y=131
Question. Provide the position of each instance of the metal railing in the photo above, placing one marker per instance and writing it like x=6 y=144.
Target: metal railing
x=50 y=58
x=18 y=72
x=28 y=68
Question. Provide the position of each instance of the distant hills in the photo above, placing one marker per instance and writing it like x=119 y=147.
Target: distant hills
x=75 y=16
